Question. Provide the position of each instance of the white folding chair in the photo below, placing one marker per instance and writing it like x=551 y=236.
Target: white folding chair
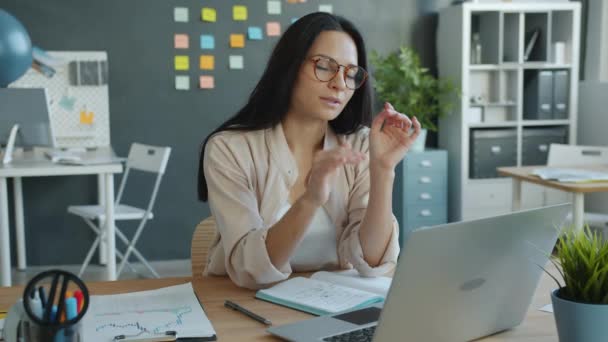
x=145 y=158
x=577 y=155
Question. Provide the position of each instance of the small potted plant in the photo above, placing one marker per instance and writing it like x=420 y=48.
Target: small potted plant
x=411 y=89
x=580 y=305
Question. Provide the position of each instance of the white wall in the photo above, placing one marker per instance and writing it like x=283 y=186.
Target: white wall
x=596 y=61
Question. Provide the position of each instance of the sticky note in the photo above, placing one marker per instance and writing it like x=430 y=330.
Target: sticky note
x=67 y=102
x=274 y=7
x=181 y=41
x=207 y=41
x=273 y=28
x=207 y=62
x=86 y=118
x=235 y=62
x=180 y=14
x=239 y=13
x=237 y=40
x=209 y=14
x=254 y=33
x=206 y=82
x=182 y=63
x=182 y=82
x=326 y=8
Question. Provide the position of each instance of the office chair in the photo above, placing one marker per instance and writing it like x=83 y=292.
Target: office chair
x=561 y=155
x=144 y=158
x=204 y=235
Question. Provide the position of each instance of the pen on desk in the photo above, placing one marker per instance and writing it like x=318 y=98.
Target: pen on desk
x=235 y=306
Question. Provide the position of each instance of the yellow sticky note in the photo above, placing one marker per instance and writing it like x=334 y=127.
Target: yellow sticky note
x=182 y=63
x=239 y=12
x=209 y=14
x=86 y=118
x=237 y=40
x=207 y=62
x=206 y=82
x=181 y=41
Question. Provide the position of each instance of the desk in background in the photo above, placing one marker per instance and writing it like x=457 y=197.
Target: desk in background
x=35 y=164
x=578 y=190
x=233 y=326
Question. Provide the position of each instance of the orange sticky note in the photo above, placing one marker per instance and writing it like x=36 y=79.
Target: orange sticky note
x=237 y=40
x=86 y=118
x=239 y=13
x=209 y=14
x=181 y=41
x=206 y=82
x=273 y=28
x=207 y=62
x=182 y=63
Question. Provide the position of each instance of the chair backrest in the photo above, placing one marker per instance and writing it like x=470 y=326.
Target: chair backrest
x=146 y=158
x=577 y=155
x=203 y=237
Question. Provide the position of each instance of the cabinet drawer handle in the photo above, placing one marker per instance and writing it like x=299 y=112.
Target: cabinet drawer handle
x=495 y=149
x=425 y=212
x=426 y=163
x=425 y=196
x=425 y=180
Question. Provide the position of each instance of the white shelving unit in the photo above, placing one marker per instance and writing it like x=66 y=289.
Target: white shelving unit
x=499 y=78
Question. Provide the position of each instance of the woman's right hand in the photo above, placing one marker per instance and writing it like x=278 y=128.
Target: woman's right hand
x=324 y=169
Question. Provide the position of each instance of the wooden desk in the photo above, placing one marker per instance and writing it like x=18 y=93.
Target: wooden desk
x=524 y=174
x=234 y=326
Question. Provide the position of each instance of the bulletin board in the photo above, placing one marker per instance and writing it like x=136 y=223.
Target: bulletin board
x=78 y=97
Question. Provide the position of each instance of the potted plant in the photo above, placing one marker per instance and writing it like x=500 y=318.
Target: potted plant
x=580 y=305
x=411 y=89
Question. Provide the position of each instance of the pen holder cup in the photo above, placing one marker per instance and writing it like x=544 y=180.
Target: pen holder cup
x=19 y=327
x=51 y=310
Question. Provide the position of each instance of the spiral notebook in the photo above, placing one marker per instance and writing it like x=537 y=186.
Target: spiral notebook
x=321 y=294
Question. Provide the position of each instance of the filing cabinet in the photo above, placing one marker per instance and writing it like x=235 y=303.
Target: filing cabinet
x=420 y=191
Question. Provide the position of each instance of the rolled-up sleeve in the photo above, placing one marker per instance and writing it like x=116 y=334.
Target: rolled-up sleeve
x=234 y=206
x=350 y=243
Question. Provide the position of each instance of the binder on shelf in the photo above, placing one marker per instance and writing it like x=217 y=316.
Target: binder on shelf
x=560 y=94
x=538 y=96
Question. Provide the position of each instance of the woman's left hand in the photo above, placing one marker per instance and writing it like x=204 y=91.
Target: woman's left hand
x=390 y=138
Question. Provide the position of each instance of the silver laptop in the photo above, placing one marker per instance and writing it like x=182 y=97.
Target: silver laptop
x=454 y=282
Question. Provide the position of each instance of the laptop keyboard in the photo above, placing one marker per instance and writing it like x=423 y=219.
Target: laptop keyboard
x=361 y=335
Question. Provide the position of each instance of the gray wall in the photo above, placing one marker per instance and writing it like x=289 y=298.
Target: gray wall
x=145 y=107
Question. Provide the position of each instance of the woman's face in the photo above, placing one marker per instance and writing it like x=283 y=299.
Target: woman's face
x=313 y=98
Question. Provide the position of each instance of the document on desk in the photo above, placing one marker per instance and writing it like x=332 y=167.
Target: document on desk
x=570 y=175
x=147 y=314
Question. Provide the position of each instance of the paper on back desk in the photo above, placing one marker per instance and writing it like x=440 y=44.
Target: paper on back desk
x=351 y=278
x=156 y=311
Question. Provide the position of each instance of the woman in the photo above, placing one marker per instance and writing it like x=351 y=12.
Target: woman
x=295 y=180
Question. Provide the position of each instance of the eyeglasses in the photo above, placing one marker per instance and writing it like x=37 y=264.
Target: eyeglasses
x=326 y=69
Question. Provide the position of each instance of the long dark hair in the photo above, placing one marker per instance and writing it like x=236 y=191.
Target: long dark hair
x=269 y=101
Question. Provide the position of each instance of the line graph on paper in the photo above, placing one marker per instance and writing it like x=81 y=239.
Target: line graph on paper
x=146 y=314
x=137 y=322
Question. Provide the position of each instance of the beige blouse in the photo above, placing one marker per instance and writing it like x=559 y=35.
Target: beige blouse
x=249 y=176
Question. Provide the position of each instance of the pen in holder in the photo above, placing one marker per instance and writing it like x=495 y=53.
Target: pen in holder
x=53 y=305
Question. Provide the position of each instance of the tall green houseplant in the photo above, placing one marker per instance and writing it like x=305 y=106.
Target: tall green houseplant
x=410 y=88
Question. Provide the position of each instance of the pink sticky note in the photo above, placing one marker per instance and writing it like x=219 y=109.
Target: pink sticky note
x=206 y=82
x=181 y=41
x=273 y=28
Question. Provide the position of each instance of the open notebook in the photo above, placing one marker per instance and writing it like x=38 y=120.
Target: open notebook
x=327 y=292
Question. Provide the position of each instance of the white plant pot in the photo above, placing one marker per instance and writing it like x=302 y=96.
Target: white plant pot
x=418 y=145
